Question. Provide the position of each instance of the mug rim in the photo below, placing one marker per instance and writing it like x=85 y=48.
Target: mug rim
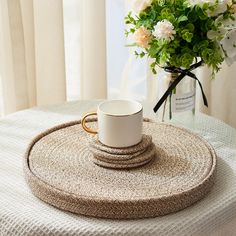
x=120 y=100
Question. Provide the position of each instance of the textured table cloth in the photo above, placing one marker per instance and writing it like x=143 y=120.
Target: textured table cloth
x=23 y=214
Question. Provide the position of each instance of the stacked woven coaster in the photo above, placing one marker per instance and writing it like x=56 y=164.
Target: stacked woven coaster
x=123 y=158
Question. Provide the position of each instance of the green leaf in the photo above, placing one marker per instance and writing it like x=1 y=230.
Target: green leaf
x=190 y=41
x=182 y=18
x=153 y=50
x=190 y=27
x=131 y=45
x=142 y=54
x=154 y=71
x=187 y=36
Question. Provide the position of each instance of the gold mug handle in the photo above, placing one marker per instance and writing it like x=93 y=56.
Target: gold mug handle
x=83 y=123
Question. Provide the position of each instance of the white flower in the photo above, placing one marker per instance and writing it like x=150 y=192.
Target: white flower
x=228 y=43
x=164 y=30
x=227 y=24
x=200 y=2
x=216 y=35
x=221 y=5
x=225 y=36
x=224 y=26
x=211 y=2
x=140 y=5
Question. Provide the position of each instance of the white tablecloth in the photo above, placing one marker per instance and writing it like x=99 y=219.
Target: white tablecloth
x=23 y=214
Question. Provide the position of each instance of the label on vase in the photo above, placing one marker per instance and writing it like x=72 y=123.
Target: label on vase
x=183 y=102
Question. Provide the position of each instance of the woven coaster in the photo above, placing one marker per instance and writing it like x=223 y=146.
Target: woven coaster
x=135 y=156
x=59 y=170
x=140 y=147
x=133 y=161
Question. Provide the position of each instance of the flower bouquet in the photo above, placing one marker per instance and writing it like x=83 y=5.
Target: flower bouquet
x=181 y=35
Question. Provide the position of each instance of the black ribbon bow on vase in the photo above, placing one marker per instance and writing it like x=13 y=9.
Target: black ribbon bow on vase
x=182 y=73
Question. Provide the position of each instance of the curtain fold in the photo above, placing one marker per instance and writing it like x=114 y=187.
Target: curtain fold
x=13 y=70
x=221 y=93
x=49 y=51
x=93 y=50
x=32 y=66
x=29 y=49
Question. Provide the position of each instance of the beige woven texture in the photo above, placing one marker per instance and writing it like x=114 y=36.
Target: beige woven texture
x=59 y=169
x=123 y=158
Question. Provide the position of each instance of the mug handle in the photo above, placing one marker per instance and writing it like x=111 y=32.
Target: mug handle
x=83 y=123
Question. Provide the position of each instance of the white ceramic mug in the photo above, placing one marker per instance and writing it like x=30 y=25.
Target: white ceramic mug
x=120 y=123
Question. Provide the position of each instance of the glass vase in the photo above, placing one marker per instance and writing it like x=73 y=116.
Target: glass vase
x=182 y=101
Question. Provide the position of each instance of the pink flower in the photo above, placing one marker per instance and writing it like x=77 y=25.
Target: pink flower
x=142 y=37
x=164 y=30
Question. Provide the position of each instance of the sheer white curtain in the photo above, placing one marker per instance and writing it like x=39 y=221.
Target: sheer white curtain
x=93 y=49
x=221 y=93
x=126 y=75
x=32 y=53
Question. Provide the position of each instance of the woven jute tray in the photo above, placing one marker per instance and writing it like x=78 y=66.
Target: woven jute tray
x=59 y=170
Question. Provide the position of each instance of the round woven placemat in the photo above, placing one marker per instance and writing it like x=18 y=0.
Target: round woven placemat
x=60 y=171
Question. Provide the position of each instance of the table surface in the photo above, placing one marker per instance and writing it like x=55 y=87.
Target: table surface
x=23 y=214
